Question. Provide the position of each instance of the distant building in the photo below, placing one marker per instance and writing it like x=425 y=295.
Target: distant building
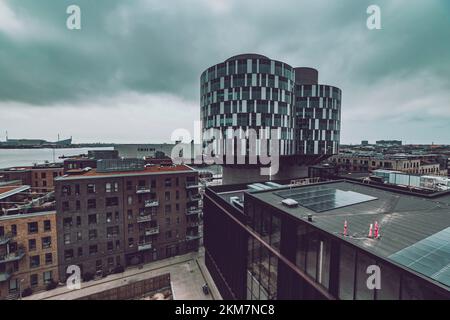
x=125 y=213
x=318 y=241
x=144 y=150
x=35 y=143
x=364 y=143
x=389 y=142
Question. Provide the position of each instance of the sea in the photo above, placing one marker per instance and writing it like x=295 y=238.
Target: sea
x=28 y=157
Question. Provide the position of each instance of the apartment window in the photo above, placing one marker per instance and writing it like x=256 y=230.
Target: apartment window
x=78 y=221
x=91 y=188
x=68 y=254
x=48 y=277
x=168 y=208
x=167 y=221
x=168 y=182
x=43 y=175
x=117 y=244
x=169 y=234
x=93 y=249
x=13 y=230
x=78 y=205
x=79 y=236
x=109 y=217
x=65 y=206
x=48 y=258
x=65 y=191
x=32 y=244
x=110 y=262
x=67 y=223
x=177 y=182
x=153 y=183
x=130 y=200
x=130 y=214
x=13 y=285
x=2 y=231
x=112 y=231
x=33 y=227
x=80 y=251
x=92 y=219
x=177 y=207
x=108 y=187
x=92 y=234
x=46 y=242
x=130 y=242
x=116 y=187
x=55 y=174
x=67 y=238
x=35 y=261
x=167 y=195
x=91 y=204
x=129 y=185
x=177 y=195
x=33 y=280
x=110 y=246
x=77 y=189
x=112 y=201
x=47 y=225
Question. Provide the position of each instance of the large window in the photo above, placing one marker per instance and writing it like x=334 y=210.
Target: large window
x=346 y=272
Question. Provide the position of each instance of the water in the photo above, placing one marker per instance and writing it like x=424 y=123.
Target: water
x=28 y=157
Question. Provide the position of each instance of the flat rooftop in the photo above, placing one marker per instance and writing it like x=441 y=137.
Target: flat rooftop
x=149 y=170
x=414 y=230
x=9 y=191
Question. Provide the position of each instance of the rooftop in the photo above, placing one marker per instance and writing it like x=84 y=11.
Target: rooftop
x=9 y=191
x=148 y=170
x=405 y=221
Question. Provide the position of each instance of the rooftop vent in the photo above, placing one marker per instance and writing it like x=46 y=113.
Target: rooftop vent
x=291 y=203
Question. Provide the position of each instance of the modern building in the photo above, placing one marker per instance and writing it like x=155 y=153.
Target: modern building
x=327 y=241
x=126 y=213
x=142 y=151
x=279 y=104
x=28 y=253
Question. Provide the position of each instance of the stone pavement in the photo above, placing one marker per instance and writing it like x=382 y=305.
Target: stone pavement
x=188 y=273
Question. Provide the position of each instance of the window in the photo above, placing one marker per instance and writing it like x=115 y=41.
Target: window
x=13 y=285
x=93 y=249
x=78 y=221
x=112 y=231
x=112 y=201
x=117 y=216
x=116 y=186
x=91 y=204
x=34 y=280
x=78 y=205
x=110 y=246
x=92 y=234
x=79 y=236
x=129 y=214
x=47 y=225
x=46 y=242
x=32 y=244
x=48 y=258
x=167 y=195
x=168 y=182
x=346 y=272
x=43 y=175
x=167 y=221
x=65 y=206
x=13 y=230
x=129 y=185
x=130 y=200
x=92 y=219
x=67 y=223
x=48 y=277
x=177 y=195
x=169 y=234
x=109 y=217
x=80 y=251
x=130 y=242
x=168 y=208
x=67 y=238
x=33 y=227
x=65 y=191
x=91 y=188
x=34 y=261
x=108 y=187
x=68 y=254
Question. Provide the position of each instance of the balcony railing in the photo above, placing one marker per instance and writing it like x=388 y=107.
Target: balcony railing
x=192 y=185
x=14 y=256
x=144 y=246
x=151 y=231
x=193 y=211
x=145 y=218
x=190 y=237
x=6 y=238
x=195 y=197
x=151 y=203
x=143 y=189
x=193 y=224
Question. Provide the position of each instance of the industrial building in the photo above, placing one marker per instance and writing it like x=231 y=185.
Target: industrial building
x=323 y=240
x=286 y=107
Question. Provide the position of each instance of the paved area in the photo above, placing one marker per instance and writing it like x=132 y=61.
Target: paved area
x=187 y=272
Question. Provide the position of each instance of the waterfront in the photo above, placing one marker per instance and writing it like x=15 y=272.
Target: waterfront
x=28 y=157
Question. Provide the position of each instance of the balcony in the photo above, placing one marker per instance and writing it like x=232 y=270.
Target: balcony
x=4 y=276
x=14 y=256
x=145 y=218
x=152 y=231
x=191 y=237
x=143 y=189
x=195 y=197
x=193 y=211
x=192 y=185
x=144 y=246
x=193 y=224
x=6 y=238
x=151 y=203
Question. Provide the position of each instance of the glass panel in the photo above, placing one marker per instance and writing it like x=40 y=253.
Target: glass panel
x=362 y=291
x=346 y=272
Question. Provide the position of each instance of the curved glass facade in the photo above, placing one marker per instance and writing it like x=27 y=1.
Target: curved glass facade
x=251 y=91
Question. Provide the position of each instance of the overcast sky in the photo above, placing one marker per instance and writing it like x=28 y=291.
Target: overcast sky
x=131 y=74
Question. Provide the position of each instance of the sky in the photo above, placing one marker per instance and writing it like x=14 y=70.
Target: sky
x=131 y=73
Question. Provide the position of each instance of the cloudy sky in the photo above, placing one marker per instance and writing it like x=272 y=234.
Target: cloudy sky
x=131 y=74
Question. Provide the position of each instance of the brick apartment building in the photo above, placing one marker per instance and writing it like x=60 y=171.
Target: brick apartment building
x=125 y=213
x=38 y=177
x=28 y=253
